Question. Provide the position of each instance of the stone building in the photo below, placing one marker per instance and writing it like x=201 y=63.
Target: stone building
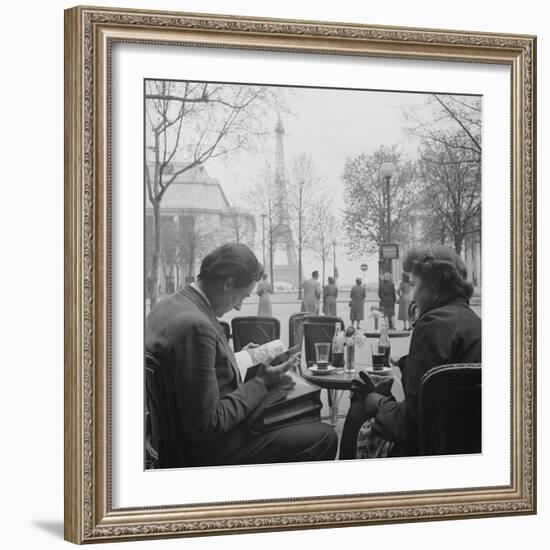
x=196 y=216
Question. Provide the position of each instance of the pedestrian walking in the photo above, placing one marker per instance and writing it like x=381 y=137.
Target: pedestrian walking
x=312 y=293
x=264 y=290
x=357 y=302
x=330 y=294
x=386 y=293
x=404 y=300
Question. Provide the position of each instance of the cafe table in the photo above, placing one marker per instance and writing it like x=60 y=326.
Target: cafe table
x=339 y=382
x=391 y=333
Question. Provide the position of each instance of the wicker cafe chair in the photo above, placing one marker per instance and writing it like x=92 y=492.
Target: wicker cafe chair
x=296 y=328
x=152 y=409
x=258 y=330
x=318 y=328
x=450 y=410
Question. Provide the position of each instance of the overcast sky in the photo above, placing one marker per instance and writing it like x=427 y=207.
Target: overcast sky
x=330 y=126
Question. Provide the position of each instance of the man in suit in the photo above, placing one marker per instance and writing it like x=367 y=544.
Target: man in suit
x=207 y=402
x=312 y=293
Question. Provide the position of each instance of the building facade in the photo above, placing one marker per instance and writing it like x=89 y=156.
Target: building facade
x=196 y=216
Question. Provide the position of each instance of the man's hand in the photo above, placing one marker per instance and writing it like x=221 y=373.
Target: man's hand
x=251 y=345
x=273 y=375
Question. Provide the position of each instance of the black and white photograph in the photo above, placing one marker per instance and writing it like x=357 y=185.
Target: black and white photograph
x=313 y=278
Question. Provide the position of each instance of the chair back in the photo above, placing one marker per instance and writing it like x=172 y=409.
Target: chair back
x=160 y=431
x=318 y=328
x=258 y=330
x=296 y=328
x=152 y=410
x=226 y=329
x=450 y=410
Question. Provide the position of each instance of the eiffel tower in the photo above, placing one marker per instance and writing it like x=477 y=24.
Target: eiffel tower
x=285 y=261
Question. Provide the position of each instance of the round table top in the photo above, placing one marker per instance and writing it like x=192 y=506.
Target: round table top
x=391 y=333
x=341 y=380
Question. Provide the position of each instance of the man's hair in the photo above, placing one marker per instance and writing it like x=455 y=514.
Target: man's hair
x=231 y=260
x=387 y=277
x=330 y=280
x=439 y=267
x=359 y=280
x=315 y=274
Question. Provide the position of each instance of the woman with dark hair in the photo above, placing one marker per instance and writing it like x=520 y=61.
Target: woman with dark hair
x=208 y=404
x=330 y=294
x=386 y=293
x=447 y=331
x=404 y=295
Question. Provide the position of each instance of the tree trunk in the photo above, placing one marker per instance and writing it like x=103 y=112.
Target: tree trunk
x=458 y=240
x=191 y=261
x=271 y=257
x=300 y=296
x=155 y=264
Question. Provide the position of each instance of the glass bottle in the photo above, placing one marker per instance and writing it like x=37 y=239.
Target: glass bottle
x=384 y=343
x=338 y=346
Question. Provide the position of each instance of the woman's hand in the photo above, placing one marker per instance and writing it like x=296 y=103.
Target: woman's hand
x=394 y=362
x=372 y=404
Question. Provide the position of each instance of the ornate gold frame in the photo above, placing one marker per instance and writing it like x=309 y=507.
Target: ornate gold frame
x=89 y=34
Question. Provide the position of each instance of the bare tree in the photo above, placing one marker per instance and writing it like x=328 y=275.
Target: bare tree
x=452 y=190
x=170 y=255
x=260 y=195
x=198 y=238
x=189 y=123
x=444 y=118
x=306 y=185
x=365 y=197
x=325 y=229
x=449 y=130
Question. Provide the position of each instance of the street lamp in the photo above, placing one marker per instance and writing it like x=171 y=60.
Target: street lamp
x=387 y=170
x=263 y=237
x=334 y=259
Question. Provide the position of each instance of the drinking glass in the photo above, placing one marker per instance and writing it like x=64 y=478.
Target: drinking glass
x=349 y=358
x=378 y=357
x=322 y=351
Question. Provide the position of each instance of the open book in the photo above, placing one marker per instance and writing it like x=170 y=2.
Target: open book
x=275 y=351
x=298 y=401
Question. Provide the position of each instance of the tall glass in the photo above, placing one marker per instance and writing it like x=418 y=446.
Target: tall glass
x=322 y=353
x=378 y=357
x=349 y=358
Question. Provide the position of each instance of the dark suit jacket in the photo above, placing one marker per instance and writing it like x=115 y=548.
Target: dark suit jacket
x=206 y=400
x=449 y=332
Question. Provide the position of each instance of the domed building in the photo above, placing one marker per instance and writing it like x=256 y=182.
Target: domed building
x=196 y=216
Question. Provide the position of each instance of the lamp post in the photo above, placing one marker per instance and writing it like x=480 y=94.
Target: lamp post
x=263 y=238
x=334 y=259
x=387 y=170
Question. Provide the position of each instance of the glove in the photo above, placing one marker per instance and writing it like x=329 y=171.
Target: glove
x=361 y=388
x=384 y=386
x=372 y=404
